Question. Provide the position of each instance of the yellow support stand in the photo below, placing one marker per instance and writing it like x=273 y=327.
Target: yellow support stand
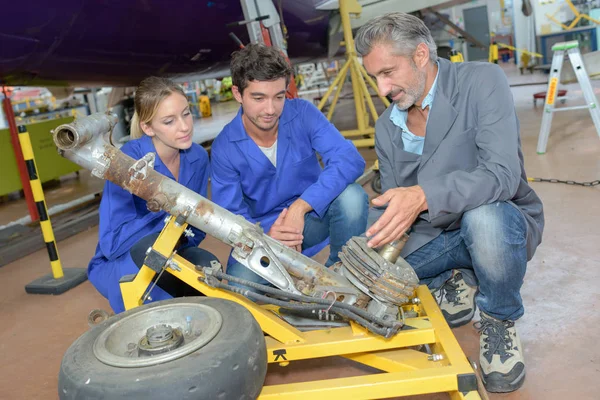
x=493 y=54
x=578 y=17
x=529 y=53
x=358 y=76
x=404 y=370
x=456 y=56
x=58 y=281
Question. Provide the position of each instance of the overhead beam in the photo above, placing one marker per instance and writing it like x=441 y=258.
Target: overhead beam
x=468 y=37
x=375 y=8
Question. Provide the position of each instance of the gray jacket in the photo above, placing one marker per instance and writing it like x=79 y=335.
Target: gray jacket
x=471 y=156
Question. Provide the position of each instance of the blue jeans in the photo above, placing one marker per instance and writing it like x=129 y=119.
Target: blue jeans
x=345 y=218
x=490 y=249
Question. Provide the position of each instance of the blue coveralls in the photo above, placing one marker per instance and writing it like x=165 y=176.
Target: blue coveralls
x=245 y=182
x=124 y=220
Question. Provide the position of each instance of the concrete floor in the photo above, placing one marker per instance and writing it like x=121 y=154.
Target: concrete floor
x=558 y=331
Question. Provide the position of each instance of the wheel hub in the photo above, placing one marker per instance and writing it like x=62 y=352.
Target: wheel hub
x=157 y=335
x=160 y=339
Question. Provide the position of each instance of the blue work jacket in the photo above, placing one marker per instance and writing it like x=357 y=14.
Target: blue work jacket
x=124 y=220
x=245 y=182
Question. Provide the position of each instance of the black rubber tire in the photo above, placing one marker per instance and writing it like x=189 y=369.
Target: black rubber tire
x=376 y=183
x=233 y=365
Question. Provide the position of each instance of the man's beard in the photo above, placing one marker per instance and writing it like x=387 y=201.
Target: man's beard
x=414 y=93
x=261 y=125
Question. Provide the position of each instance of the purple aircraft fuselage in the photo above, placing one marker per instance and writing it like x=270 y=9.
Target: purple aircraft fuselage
x=119 y=42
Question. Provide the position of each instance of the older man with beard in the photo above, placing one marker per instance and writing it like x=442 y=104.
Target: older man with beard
x=452 y=175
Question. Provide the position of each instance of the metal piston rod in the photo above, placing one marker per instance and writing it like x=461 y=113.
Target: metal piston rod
x=376 y=282
x=84 y=142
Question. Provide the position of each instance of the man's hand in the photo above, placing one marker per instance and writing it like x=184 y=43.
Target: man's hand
x=404 y=206
x=287 y=235
x=295 y=217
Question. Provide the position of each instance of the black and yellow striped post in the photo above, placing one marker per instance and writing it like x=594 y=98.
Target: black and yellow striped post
x=59 y=280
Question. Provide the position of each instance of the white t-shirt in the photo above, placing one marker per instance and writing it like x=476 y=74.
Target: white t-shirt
x=271 y=153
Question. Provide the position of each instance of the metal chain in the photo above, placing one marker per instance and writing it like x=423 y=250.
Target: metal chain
x=592 y=183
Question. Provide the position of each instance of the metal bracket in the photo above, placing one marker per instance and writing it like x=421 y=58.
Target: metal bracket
x=173 y=264
x=261 y=259
x=189 y=233
x=215 y=265
x=242 y=245
x=466 y=382
x=139 y=169
x=169 y=263
x=127 y=278
x=182 y=218
x=155 y=261
x=103 y=161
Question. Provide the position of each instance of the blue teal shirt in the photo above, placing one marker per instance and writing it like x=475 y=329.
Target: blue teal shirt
x=413 y=143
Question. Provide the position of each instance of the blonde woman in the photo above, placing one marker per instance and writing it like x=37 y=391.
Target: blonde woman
x=162 y=124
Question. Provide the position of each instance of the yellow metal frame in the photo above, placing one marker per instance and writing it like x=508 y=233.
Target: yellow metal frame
x=530 y=53
x=456 y=57
x=359 y=78
x=493 y=50
x=578 y=17
x=405 y=371
x=493 y=53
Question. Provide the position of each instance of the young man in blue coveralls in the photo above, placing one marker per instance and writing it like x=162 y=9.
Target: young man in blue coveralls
x=265 y=167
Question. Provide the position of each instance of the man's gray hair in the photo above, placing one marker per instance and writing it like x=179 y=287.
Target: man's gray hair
x=403 y=31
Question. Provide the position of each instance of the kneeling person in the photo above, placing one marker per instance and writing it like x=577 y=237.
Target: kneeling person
x=265 y=167
x=162 y=124
x=456 y=181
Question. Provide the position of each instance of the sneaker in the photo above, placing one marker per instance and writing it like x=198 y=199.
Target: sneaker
x=500 y=355
x=456 y=300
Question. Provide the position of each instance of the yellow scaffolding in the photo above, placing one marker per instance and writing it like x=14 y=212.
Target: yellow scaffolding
x=358 y=76
x=405 y=370
x=578 y=17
